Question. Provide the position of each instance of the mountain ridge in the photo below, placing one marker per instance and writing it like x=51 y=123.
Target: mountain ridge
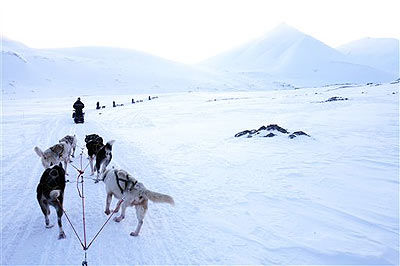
x=287 y=53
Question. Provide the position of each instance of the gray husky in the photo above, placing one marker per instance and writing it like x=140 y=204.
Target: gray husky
x=71 y=140
x=122 y=185
x=56 y=153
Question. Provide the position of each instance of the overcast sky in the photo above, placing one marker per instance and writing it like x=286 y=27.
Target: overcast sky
x=190 y=31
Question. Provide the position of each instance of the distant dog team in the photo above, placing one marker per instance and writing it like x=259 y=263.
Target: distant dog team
x=119 y=183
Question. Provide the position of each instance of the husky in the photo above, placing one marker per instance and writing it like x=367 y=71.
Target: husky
x=93 y=144
x=55 y=154
x=103 y=158
x=127 y=189
x=93 y=137
x=50 y=191
x=71 y=140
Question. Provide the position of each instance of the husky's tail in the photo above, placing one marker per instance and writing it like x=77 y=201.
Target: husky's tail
x=158 y=197
x=55 y=194
x=38 y=151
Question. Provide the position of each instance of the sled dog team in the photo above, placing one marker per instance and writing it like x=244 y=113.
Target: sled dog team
x=119 y=183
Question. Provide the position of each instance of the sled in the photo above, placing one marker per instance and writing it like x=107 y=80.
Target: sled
x=78 y=118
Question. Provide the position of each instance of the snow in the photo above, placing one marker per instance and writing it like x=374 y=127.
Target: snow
x=292 y=56
x=284 y=56
x=37 y=73
x=328 y=198
x=380 y=53
x=332 y=198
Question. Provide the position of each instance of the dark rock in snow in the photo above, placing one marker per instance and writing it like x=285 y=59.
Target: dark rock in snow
x=298 y=133
x=242 y=133
x=270 y=135
x=276 y=127
x=262 y=132
x=395 y=81
x=262 y=128
x=332 y=99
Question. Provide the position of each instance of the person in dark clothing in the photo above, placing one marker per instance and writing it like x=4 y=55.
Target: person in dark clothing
x=78 y=106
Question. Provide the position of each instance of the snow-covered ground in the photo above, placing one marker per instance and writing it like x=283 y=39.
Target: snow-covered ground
x=332 y=198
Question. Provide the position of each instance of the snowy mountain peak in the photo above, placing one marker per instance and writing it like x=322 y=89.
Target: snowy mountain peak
x=288 y=54
x=282 y=49
x=380 y=53
x=284 y=29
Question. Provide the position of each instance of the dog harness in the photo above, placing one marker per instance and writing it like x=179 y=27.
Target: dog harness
x=58 y=148
x=126 y=182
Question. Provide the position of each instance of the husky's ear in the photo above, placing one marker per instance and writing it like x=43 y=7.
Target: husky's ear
x=60 y=164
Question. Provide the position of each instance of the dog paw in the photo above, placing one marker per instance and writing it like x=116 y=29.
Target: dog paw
x=107 y=212
x=62 y=235
x=134 y=234
x=118 y=219
x=49 y=225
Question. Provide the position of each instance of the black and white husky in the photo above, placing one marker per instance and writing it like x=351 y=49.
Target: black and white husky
x=122 y=185
x=50 y=191
x=93 y=144
x=103 y=158
x=97 y=150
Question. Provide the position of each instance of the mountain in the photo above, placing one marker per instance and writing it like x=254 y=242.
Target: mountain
x=32 y=72
x=288 y=54
x=280 y=48
x=380 y=53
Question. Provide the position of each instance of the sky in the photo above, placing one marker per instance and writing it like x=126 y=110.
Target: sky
x=190 y=31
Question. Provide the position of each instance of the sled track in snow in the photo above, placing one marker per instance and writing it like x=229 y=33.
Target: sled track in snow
x=162 y=227
x=24 y=222
x=23 y=231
